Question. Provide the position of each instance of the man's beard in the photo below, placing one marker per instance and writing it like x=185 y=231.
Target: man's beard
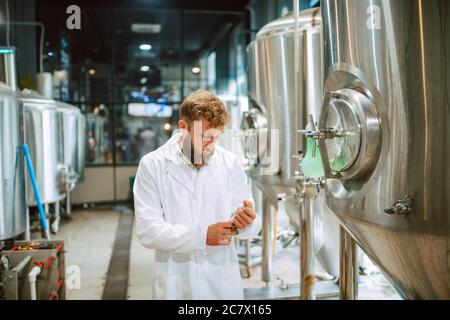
x=198 y=159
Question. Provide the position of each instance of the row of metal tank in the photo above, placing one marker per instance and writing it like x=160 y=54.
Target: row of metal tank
x=375 y=75
x=277 y=105
x=55 y=134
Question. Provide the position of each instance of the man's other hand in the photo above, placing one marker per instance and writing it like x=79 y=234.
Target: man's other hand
x=244 y=216
x=220 y=234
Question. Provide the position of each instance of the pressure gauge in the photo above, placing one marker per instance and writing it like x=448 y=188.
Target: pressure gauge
x=5 y=263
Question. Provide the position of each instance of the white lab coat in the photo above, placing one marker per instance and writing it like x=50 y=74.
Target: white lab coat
x=172 y=217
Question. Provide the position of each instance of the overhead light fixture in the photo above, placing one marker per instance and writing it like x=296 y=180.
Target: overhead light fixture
x=146 y=27
x=145 y=68
x=51 y=54
x=144 y=80
x=167 y=126
x=91 y=72
x=196 y=70
x=145 y=46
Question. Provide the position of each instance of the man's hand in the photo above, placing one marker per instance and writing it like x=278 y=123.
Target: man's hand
x=244 y=216
x=220 y=234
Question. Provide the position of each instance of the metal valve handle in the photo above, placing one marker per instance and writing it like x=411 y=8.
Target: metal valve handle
x=319 y=136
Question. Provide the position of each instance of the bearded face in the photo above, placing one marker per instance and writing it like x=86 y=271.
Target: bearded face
x=199 y=142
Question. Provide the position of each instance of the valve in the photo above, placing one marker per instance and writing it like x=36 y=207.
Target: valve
x=401 y=207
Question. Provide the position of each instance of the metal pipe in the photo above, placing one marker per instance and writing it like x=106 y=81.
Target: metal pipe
x=9 y=60
x=22 y=264
x=27 y=227
x=348 y=267
x=44 y=223
x=41 y=38
x=32 y=279
x=56 y=223
x=68 y=204
x=267 y=253
x=306 y=247
x=247 y=253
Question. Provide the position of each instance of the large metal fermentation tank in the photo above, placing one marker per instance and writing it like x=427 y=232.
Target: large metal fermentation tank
x=71 y=121
x=43 y=132
x=385 y=135
x=274 y=105
x=12 y=189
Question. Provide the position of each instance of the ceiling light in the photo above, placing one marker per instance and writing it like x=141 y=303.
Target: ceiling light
x=145 y=46
x=167 y=126
x=143 y=80
x=91 y=72
x=145 y=68
x=146 y=27
x=195 y=70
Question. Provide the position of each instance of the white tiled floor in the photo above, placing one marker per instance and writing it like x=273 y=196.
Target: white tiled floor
x=90 y=236
x=89 y=239
x=141 y=278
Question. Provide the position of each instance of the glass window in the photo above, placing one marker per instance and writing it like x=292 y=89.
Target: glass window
x=129 y=69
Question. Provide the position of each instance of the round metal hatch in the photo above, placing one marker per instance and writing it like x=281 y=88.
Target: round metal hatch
x=343 y=150
x=353 y=150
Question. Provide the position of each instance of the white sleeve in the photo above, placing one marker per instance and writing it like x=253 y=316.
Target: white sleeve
x=152 y=229
x=241 y=192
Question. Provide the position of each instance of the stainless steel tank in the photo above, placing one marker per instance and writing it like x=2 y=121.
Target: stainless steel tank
x=70 y=119
x=274 y=105
x=43 y=132
x=384 y=135
x=82 y=146
x=12 y=189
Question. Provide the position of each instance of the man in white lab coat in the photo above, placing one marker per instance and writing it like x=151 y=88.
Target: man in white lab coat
x=191 y=199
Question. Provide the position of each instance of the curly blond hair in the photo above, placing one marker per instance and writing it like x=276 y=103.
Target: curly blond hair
x=202 y=103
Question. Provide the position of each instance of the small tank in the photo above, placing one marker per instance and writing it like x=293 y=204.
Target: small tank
x=12 y=189
x=43 y=132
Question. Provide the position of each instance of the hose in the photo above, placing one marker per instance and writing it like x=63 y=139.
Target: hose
x=36 y=191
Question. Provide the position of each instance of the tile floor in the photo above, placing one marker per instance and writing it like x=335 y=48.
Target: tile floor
x=89 y=239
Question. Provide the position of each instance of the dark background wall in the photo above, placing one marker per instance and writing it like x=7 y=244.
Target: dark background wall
x=21 y=37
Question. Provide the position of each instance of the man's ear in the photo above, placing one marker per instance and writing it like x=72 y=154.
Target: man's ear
x=182 y=124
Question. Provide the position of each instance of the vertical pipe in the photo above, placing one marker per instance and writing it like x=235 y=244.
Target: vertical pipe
x=36 y=192
x=248 y=255
x=10 y=67
x=112 y=115
x=47 y=213
x=267 y=224
x=348 y=267
x=69 y=204
x=306 y=248
x=27 y=228
x=55 y=225
x=182 y=53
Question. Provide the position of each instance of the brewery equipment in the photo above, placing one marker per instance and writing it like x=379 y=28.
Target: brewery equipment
x=73 y=141
x=43 y=132
x=285 y=86
x=82 y=146
x=32 y=270
x=12 y=190
x=384 y=137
